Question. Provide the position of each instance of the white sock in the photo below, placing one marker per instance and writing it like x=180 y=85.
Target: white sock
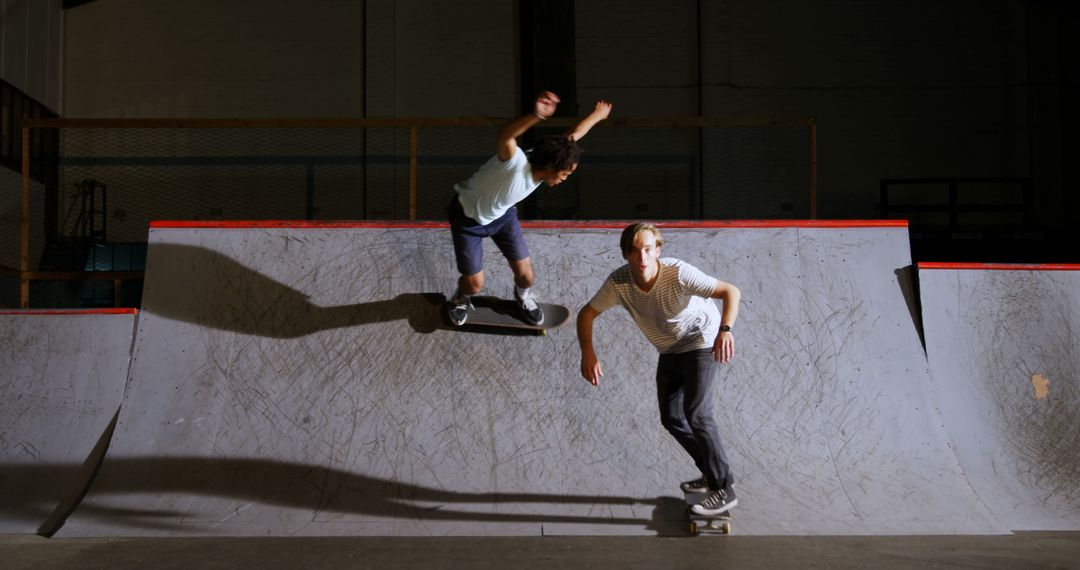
x=521 y=292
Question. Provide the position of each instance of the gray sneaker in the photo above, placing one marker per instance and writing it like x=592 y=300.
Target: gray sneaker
x=458 y=309
x=716 y=503
x=530 y=309
x=699 y=485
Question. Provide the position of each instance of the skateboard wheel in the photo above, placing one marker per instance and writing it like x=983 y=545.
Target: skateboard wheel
x=693 y=528
x=726 y=528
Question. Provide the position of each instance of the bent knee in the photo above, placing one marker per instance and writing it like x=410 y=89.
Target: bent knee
x=701 y=422
x=523 y=272
x=675 y=425
x=472 y=284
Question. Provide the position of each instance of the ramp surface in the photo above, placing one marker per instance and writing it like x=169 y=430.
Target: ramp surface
x=62 y=377
x=1004 y=351
x=300 y=380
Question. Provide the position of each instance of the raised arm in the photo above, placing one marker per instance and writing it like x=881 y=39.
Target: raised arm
x=506 y=144
x=601 y=112
x=724 y=345
x=590 y=366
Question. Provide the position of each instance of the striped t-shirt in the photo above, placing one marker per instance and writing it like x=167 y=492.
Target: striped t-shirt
x=676 y=315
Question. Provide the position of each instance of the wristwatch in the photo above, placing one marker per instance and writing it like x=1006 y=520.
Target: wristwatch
x=725 y=328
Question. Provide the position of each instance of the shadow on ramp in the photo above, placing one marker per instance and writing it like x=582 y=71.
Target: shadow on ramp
x=908 y=281
x=232 y=297
x=331 y=495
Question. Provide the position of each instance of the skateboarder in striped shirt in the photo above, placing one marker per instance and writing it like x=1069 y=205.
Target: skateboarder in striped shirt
x=484 y=205
x=671 y=302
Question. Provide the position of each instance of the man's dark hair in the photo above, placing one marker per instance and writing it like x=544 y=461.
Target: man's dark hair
x=556 y=153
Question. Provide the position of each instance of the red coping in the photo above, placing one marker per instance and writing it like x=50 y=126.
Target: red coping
x=257 y=224
x=69 y=311
x=1002 y=266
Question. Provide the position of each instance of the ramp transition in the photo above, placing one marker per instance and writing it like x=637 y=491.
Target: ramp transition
x=1004 y=349
x=62 y=377
x=294 y=379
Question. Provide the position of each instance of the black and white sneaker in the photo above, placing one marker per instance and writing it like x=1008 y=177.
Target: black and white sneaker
x=530 y=309
x=458 y=309
x=699 y=485
x=716 y=503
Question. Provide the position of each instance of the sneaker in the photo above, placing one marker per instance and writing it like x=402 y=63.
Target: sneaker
x=530 y=309
x=699 y=485
x=716 y=503
x=458 y=309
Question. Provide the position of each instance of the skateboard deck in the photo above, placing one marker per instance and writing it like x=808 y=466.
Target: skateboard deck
x=720 y=524
x=502 y=313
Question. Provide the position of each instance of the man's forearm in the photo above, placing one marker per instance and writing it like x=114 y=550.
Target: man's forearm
x=518 y=126
x=506 y=145
x=585 y=125
x=585 y=329
x=731 y=306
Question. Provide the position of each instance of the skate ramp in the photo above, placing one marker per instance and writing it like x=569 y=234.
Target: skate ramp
x=62 y=377
x=1004 y=349
x=299 y=380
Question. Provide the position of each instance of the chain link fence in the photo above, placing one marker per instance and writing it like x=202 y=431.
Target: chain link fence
x=93 y=198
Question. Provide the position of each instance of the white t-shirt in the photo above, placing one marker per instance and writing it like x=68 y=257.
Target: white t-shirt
x=496 y=187
x=676 y=315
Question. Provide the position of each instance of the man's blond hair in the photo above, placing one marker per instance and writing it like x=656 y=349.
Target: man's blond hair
x=630 y=233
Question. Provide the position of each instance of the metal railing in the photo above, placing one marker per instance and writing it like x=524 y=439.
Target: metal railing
x=629 y=144
x=942 y=196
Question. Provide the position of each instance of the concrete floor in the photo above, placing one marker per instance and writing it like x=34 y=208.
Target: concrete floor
x=1034 y=550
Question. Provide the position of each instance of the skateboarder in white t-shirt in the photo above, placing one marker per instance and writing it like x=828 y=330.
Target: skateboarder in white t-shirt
x=483 y=205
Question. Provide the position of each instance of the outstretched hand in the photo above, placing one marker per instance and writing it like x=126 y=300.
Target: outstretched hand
x=724 y=347
x=546 y=103
x=602 y=110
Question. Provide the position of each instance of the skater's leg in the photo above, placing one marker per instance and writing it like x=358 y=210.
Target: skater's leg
x=468 y=238
x=511 y=242
x=523 y=273
x=469 y=285
x=700 y=386
x=670 y=395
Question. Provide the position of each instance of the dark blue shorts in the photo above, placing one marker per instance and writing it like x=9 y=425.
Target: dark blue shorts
x=469 y=238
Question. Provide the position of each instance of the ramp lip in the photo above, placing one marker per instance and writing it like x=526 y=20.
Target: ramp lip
x=30 y=312
x=541 y=224
x=1000 y=266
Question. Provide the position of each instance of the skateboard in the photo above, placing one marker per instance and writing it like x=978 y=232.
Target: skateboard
x=720 y=524
x=501 y=313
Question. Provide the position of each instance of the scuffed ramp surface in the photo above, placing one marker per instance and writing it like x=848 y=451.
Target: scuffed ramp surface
x=1004 y=350
x=61 y=382
x=300 y=381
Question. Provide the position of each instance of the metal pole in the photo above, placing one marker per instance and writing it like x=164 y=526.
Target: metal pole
x=24 y=245
x=813 y=169
x=700 y=202
x=414 y=149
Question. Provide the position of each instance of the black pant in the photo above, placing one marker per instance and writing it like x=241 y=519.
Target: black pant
x=686 y=388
